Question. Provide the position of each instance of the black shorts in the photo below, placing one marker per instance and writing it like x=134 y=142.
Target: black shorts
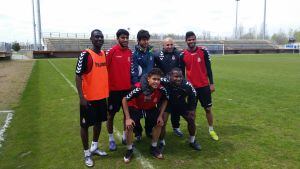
x=93 y=114
x=180 y=109
x=204 y=96
x=150 y=116
x=115 y=100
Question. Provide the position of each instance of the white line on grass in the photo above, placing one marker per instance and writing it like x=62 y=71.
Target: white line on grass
x=6 y=111
x=144 y=162
x=6 y=124
x=69 y=82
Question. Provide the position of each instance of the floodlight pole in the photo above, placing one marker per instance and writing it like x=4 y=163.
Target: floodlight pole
x=33 y=22
x=236 y=18
x=39 y=25
x=264 y=25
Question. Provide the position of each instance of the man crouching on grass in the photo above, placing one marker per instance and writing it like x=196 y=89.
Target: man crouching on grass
x=141 y=100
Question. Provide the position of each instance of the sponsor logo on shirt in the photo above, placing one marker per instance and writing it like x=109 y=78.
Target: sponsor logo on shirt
x=97 y=64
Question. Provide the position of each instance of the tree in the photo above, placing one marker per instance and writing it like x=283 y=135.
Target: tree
x=16 y=46
x=297 y=35
x=240 y=31
x=250 y=35
x=280 y=38
x=206 y=35
x=261 y=33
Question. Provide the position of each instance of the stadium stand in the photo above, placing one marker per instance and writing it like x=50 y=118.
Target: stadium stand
x=73 y=44
x=71 y=47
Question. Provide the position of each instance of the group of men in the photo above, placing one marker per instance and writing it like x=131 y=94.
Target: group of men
x=146 y=84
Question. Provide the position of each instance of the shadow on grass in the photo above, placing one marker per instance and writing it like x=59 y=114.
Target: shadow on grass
x=178 y=149
x=232 y=130
x=180 y=146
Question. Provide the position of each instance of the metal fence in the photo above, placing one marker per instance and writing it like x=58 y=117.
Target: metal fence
x=73 y=35
x=107 y=36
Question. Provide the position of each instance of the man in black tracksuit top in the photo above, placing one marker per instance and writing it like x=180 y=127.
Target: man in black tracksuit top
x=166 y=60
x=182 y=101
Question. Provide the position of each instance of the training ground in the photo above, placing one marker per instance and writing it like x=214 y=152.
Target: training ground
x=256 y=109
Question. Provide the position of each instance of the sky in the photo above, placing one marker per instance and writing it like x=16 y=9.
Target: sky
x=156 y=16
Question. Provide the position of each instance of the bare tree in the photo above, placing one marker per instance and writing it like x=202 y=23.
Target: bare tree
x=280 y=38
x=206 y=35
x=261 y=33
x=251 y=34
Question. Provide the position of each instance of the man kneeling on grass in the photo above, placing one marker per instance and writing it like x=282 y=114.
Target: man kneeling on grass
x=141 y=100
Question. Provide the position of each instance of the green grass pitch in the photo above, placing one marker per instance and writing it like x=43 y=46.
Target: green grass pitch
x=256 y=111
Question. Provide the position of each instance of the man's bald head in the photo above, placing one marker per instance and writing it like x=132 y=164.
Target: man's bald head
x=168 y=44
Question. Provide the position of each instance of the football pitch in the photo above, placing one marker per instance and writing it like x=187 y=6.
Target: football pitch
x=256 y=110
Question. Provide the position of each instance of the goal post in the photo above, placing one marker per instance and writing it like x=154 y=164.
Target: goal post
x=214 y=48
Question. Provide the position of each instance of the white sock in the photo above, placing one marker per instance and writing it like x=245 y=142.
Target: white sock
x=129 y=147
x=192 y=139
x=94 y=146
x=163 y=142
x=87 y=152
x=176 y=129
x=210 y=128
x=111 y=137
x=124 y=135
x=154 y=144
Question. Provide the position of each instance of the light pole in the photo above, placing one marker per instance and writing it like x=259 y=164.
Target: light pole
x=264 y=24
x=39 y=25
x=236 y=18
x=34 y=26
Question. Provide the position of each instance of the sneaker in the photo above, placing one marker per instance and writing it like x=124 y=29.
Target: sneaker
x=112 y=146
x=156 y=152
x=161 y=146
x=99 y=152
x=214 y=135
x=195 y=146
x=138 y=138
x=89 y=161
x=124 y=142
x=128 y=156
x=178 y=132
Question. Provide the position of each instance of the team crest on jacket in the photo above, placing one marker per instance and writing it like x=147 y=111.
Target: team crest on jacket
x=199 y=59
x=161 y=56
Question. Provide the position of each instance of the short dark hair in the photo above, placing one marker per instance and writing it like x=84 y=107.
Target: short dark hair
x=175 y=69
x=155 y=71
x=189 y=34
x=143 y=34
x=122 y=32
x=95 y=30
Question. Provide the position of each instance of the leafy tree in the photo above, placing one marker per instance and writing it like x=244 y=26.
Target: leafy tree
x=297 y=35
x=16 y=46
